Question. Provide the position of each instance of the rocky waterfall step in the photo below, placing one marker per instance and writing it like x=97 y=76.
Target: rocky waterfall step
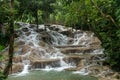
x=42 y=63
x=72 y=50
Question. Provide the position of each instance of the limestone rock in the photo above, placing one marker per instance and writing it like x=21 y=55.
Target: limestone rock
x=74 y=60
x=25 y=49
x=36 y=54
x=46 y=62
x=77 y=50
x=17 y=59
x=67 y=33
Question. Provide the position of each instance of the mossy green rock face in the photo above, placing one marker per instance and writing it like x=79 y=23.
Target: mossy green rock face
x=51 y=75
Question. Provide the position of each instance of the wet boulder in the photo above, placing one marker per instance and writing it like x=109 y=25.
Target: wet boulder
x=54 y=28
x=73 y=60
x=67 y=33
x=45 y=36
x=25 y=29
x=45 y=62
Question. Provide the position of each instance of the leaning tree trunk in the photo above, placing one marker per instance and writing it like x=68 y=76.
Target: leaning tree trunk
x=11 y=48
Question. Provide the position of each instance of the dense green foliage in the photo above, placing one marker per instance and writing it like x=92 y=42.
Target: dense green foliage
x=4 y=13
x=100 y=16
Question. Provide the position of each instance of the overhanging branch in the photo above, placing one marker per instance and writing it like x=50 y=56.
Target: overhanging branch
x=103 y=14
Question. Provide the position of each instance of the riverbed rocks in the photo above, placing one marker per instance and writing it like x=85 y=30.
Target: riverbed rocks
x=45 y=36
x=73 y=60
x=77 y=50
x=45 y=62
x=25 y=49
x=17 y=59
x=20 y=42
x=42 y=63
x=54 y=46
x=113 y=76
x=36 y=54
x=68 y=33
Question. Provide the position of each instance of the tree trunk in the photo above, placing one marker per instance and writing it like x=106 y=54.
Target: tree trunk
x=11 y=48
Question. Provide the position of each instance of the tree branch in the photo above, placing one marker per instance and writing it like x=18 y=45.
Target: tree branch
x=103 y=14
x=11 y=47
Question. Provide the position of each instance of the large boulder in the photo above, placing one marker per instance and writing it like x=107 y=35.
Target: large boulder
x=95 y=42
x=25 y=29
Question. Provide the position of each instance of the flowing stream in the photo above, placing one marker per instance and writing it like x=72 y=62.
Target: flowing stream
x=46 y=54
x=51 y=75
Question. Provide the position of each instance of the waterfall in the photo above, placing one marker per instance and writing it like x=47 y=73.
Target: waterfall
x=50 y=49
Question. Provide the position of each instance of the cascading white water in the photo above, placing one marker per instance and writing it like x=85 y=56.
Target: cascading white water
x=58 y=39
x=78 y=37
x=81 y=38
x=32 y=39
x=83 y=71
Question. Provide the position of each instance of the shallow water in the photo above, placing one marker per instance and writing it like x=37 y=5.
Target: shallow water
x=51 y=75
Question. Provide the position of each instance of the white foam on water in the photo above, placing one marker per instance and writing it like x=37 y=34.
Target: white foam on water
x=41 y=27
x=56 y=68
x=32 y=38
x=83 y=71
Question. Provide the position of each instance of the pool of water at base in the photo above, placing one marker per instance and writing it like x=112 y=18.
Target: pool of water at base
x=50 y=75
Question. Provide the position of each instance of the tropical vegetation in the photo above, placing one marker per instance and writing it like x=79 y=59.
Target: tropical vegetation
x=100 y=16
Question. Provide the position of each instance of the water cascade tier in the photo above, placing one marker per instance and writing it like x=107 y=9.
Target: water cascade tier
x=55 y=47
